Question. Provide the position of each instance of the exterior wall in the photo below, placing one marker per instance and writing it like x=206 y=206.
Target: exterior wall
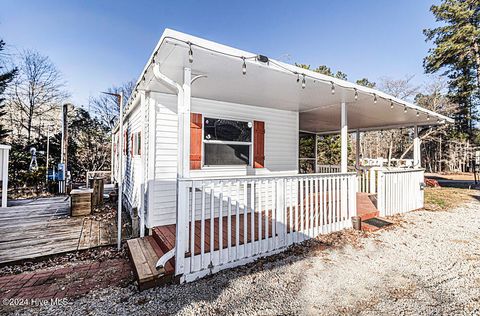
x=281 y=148
x=133 y=166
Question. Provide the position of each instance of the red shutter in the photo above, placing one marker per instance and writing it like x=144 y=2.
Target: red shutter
x=195 y=141
x=131 y=148
x=259 y=144
x=139 y=143
x=125 y=143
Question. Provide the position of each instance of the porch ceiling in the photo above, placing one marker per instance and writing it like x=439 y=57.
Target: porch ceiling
x=273 y=85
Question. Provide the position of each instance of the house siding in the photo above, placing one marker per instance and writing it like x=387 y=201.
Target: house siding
x=281 y=147
x=133 y=176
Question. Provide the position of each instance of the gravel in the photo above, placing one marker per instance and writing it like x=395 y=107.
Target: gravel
x=427 y=263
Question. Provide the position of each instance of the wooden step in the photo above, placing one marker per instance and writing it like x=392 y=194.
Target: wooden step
x=144 y=254
x=365 y=207
x=165 y=237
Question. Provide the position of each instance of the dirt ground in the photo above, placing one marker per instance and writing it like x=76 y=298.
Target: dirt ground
x=428 y=263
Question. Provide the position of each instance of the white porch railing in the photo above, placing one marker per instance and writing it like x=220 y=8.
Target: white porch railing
x=400 y=191
x=223 y=223
x=328 y=168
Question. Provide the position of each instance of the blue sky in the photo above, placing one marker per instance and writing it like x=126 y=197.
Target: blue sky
x=97 y=44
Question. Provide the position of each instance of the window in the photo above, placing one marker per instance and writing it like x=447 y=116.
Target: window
x=137 y=143
x=226 y=142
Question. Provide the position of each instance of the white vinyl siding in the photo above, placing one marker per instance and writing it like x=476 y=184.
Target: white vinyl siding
x=281 y=147
x=133 y=165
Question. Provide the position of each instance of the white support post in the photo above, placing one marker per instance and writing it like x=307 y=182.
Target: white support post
x=344 y=139
x=416 y=148
x=182 y=222
x=5 y=158
x=316 y=154
x=152 y=128
x=143 y=105
x=357 y=149
x=187 y=97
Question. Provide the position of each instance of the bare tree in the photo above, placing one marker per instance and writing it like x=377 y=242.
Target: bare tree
x=105 y=107
x=36 y=94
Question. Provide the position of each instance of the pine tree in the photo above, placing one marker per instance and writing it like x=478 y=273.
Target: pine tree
x=456 y=51
x=5 y=79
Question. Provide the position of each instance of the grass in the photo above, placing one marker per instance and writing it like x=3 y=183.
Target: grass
x=441 y=199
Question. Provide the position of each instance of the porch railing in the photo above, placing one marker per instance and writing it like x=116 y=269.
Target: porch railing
x=328 y=168
x=223 y=223
x=400 y=191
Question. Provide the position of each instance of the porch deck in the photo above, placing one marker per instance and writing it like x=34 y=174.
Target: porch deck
x=41 y=227
x=146 y=251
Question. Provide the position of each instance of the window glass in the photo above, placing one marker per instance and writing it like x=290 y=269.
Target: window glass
x=227 y=130
x=226 y=154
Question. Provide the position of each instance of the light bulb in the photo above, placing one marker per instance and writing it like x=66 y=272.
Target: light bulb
x=333 y=87
x=356 y=94
x=418 y=114
x=428 y=117
x=391 y=104
x=190 y=53
x=303 y=82
x=375 y=98
x=244 y=66
x=405 y=109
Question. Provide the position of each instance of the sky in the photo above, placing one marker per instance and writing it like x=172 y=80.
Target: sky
x=98 y=44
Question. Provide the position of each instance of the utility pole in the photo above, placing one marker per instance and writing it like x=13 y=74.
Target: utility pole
x=48 y=151
x=120 y=169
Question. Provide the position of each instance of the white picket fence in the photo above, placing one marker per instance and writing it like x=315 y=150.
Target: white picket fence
x=241 y=219
x=400 y=191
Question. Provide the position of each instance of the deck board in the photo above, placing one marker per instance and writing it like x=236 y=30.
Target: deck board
x=41 y=227
x=266 y=218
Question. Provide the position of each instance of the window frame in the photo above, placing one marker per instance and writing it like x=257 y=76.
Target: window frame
x=227 y=142
x=136 y=146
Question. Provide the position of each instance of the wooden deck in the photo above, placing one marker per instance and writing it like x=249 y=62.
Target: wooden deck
x=42 y=227
x=146 y=251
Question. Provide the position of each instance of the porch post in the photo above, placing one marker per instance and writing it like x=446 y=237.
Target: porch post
x=357 y=149
x=187 y=94
x=416 y=148
x=316 y=154
x=344 y=138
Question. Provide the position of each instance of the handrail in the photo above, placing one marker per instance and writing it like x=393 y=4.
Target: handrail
x=302 y=175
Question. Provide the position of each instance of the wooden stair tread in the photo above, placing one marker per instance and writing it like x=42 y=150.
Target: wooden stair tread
x=165 y=237
x=144 y=254
x=365 y=207
x=169 y=266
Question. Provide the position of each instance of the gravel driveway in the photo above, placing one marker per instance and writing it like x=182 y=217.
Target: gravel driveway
x=428 y=263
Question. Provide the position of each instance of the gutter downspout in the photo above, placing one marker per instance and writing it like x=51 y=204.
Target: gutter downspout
x=160 y=265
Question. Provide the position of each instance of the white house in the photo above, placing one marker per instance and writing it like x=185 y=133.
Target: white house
x=212 y=130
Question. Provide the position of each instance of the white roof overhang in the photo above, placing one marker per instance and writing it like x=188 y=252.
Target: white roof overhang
x=278 y=85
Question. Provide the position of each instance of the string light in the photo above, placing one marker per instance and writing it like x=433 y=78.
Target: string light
x=418 y=114
x=405 y=109
x=428 y=117
x=190 y=53
x=374 y=98
x=190 y=59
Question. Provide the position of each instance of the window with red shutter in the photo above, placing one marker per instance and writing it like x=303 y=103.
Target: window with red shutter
x=259 y=144
x=195 y=141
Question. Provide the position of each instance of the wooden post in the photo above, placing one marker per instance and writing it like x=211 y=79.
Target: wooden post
x=97 y=197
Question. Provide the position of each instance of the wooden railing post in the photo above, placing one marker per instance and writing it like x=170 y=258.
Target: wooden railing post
x=181 y=240
x=381 y=193
x=373 y=180
x=280 y=212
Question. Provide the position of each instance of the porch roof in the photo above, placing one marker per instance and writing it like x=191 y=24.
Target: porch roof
x=278 y=85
